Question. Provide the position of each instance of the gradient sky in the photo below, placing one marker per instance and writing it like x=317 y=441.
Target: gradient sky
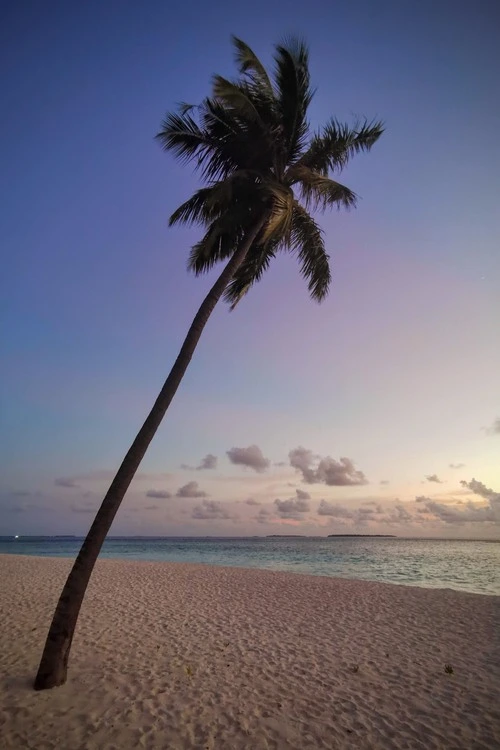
x=399 y=369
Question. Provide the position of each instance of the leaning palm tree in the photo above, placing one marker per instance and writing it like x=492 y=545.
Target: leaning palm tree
x=263 y=171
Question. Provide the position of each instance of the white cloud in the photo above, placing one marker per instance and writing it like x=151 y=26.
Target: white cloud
x=327 y=471
x=422 y=499
x=465 y=512
x=210 y=510
x=209 y=462
x=251 y=457
x=190 y=489
x=294 y=506
x=334 y=509
x=396 y=515
x=433 y=478
x=303 y=495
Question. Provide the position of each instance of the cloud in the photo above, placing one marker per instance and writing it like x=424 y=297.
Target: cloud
x=466 y=512
x=280 y=463
x=251 y=501
x=251 y=457
x=303 y=495
x=478 y=488
x=456 y=466
x=209 y=462
x=159 y=494
x=327 y=471
x=262 y=516
x=66 y=482
x=433 y=478
x=495 y=427
x=374 y=503
x=334 y=509
x=422 y=499
x=190 y=490
x=457 y=515
x=400 y=514
x=360 y=516
x=292 y=507
x=151 y=507
x=210 y=510
x=384 y=481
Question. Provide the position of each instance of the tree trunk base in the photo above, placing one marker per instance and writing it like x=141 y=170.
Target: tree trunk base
x=53 y=669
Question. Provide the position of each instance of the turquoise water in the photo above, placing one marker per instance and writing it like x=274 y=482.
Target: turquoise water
x=463 y=565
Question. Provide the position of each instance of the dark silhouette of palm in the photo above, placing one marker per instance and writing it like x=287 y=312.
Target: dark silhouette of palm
x=263 y=172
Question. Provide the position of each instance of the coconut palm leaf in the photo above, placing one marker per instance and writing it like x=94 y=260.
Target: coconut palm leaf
x=194 y=211
x=319 y=192
x=307 y=242
x=251 y=271
x=294 y=94
x=238 y=97
x=331 y=149
x=250 y=66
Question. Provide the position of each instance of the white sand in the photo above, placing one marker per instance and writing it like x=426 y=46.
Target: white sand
x=171 y=656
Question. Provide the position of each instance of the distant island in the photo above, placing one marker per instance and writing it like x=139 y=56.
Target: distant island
x=285 y=536
x=377 y=536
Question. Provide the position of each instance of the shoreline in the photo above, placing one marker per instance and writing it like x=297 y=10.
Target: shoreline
x=188 y=655
x=128 y=559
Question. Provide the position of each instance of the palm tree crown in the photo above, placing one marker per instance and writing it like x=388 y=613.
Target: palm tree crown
x=252 y=143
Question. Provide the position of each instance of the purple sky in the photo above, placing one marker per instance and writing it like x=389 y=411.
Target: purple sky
x=398 y=370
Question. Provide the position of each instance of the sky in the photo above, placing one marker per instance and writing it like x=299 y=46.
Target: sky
x=377 y=411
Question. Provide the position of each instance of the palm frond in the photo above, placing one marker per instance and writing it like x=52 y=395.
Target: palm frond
x=214 y=246
x=195 y=210
x=294 y=94
x=181 y=134
x=250 y=272
x=332 y=148
x=236 y=96
x=207 y=204
x=241 y=144
x=241 y=186
x=223 y=236
x=319 y=192
x=190 y=141
x=307 y=242
x=249 y=64
x=280 y=219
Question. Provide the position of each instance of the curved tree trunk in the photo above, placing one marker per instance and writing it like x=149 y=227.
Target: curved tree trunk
x=54 y=663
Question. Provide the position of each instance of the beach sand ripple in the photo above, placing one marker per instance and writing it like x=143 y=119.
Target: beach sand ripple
x=177 y=656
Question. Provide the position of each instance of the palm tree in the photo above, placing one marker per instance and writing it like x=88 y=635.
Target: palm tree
x=263 y=171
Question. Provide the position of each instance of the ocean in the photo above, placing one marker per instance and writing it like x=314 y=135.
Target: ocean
x=472 y=566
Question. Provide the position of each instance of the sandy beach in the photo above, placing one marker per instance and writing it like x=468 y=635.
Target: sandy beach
x=188 y=656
